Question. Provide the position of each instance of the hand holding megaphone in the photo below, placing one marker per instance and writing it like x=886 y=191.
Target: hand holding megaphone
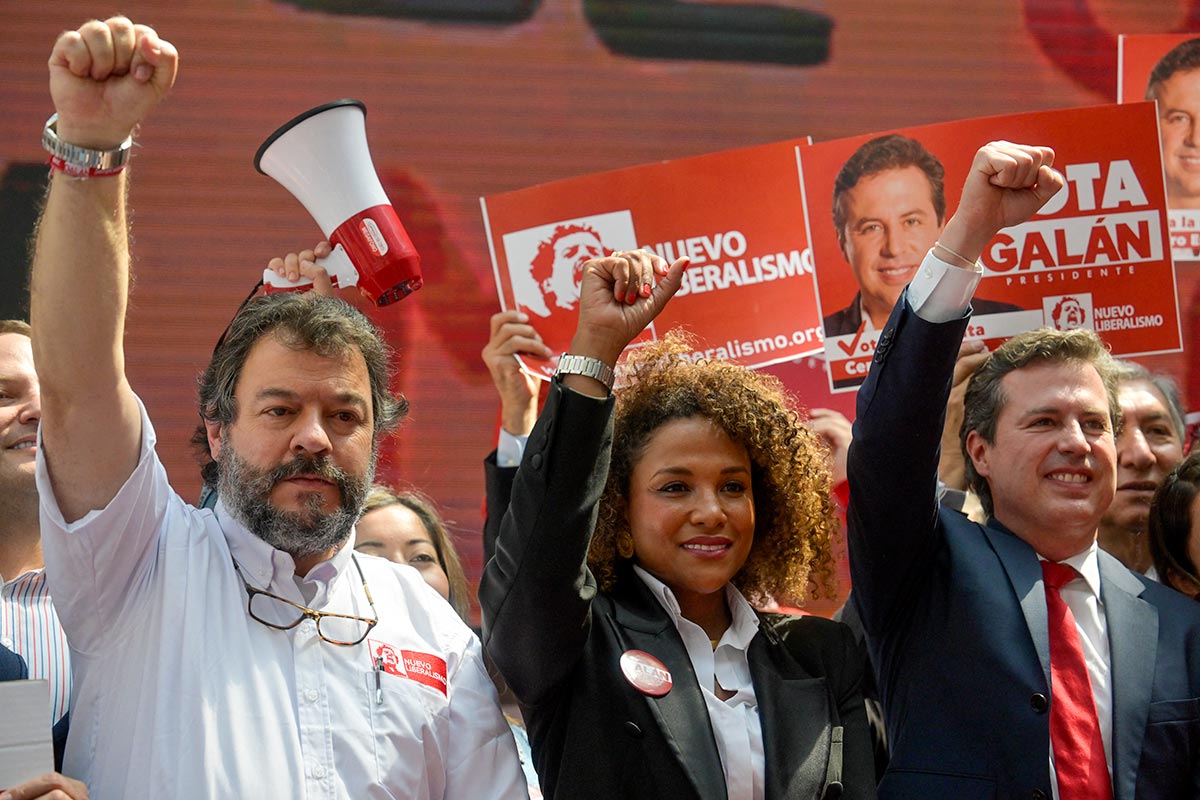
x=322 y=268
x=322 y=158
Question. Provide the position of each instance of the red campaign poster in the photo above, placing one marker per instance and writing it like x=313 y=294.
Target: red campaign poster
x=1095 y=256
x=748 y=293
x=1176 y=87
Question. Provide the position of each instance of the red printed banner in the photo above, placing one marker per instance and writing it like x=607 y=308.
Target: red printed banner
x=1096 y=256
x=423 y=668
x=748 y=293
x=1162 y=67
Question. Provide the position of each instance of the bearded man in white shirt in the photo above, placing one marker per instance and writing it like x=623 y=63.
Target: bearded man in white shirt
x=236 y=652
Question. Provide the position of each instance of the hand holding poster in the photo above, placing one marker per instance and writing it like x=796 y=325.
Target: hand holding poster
x=1166 y=68
x=1095 y=256
x=747 y=294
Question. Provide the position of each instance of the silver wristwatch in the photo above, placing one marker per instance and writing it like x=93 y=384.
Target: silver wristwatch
x=584 y=365
x=82 y=157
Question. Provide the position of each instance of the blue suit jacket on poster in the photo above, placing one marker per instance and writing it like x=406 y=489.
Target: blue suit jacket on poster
x=955 y=615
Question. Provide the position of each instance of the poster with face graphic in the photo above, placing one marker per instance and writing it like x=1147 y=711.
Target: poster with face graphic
x=1096 y=255
x=1166 y=68
x=747 y=295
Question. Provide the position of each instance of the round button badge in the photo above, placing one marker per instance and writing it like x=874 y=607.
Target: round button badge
x=645 y=673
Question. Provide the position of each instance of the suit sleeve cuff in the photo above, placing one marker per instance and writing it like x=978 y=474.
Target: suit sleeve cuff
x=940 y=291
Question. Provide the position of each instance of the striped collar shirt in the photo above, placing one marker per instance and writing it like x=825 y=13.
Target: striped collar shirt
x=29 y=627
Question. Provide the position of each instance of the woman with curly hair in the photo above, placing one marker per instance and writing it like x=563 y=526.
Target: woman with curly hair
x=618 y=603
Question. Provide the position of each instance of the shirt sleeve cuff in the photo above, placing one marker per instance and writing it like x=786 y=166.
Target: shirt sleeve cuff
x=940 y=291
x=510 y=449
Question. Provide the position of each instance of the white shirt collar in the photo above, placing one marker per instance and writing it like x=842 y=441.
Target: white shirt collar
x=275 y=570
x=1087 y=564
x=24 y=576
x=745 y=621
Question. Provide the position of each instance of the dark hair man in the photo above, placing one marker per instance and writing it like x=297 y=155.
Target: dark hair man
x=1149 y=446
x=236 y=652
x=889 y=206
x=1014 y=659
x=1175 y=84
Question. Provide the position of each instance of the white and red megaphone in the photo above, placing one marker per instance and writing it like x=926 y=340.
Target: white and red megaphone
x=322 y=158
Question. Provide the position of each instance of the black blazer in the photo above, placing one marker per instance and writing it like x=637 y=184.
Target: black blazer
x=955 y=614
x=558 y=640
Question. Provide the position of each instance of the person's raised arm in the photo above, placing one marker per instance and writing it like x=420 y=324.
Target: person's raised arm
x=537 y=591
x=893 y=458
x=105 y=78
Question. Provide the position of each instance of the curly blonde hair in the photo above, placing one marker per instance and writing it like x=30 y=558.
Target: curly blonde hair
x=792 y=554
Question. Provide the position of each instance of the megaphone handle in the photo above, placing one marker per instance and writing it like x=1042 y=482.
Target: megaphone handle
x=340 y=268
x=341 y=272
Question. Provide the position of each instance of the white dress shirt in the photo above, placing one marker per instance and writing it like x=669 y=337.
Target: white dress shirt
x=735 y=722
x=941 y=292
x=29 y=627
x=180 y=693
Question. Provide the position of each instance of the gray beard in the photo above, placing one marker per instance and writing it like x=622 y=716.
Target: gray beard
x=246 y=490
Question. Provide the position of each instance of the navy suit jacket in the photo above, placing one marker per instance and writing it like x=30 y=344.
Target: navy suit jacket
x=12 y=666
x=955 y=615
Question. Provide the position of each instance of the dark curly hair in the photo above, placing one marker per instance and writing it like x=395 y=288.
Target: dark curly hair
x=794 y=515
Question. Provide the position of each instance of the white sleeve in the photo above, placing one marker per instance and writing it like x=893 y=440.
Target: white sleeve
x=941 y=291
x=96 y=564
x=484 y=764
x=510 y=449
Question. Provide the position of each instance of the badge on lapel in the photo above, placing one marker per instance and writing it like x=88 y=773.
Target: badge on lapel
x=645 y=673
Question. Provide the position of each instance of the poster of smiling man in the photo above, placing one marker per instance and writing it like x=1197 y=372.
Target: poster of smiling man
x=1095 y=256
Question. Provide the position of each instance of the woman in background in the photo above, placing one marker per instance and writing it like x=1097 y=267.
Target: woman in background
x=1175 y=528
x=405 y=528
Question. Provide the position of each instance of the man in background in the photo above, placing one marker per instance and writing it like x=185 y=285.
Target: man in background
x=1149 y=446
x=28 y=623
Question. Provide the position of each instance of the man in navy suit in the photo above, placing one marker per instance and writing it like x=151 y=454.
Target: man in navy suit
x=956 y=613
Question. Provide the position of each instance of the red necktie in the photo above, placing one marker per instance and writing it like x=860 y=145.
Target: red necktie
x=1079 y=760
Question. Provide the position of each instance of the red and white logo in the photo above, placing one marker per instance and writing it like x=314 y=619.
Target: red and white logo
x=1068 y=311
x=421 y=667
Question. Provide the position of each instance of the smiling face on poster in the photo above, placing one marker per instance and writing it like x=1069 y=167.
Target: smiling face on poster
x=1166 y=68
x=1095 y=256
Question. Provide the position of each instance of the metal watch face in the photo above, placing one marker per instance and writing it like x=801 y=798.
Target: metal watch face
x=83 y=156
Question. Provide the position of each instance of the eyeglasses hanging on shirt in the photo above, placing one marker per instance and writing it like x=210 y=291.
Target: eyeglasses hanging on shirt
x=282 y=614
